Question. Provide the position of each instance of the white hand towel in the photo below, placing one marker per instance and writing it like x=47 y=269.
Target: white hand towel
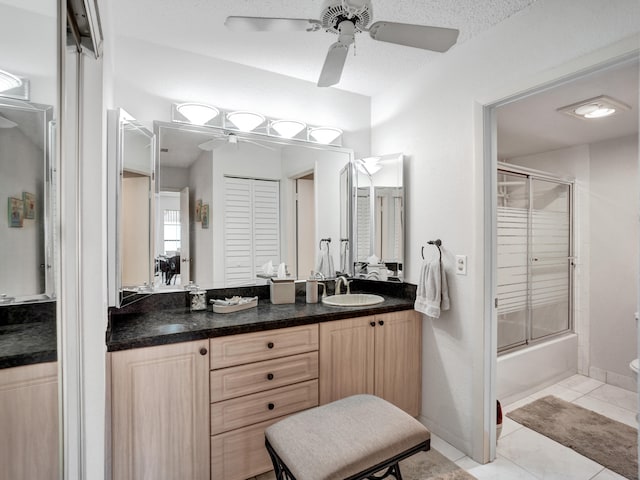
x=432 y=295
x=325 y=262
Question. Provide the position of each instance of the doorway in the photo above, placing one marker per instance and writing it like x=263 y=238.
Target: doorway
x=537 y=131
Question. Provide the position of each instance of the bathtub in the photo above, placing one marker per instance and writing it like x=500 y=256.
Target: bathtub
x=523 y=372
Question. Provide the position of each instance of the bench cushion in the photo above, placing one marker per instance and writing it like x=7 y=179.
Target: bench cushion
x=343 y=438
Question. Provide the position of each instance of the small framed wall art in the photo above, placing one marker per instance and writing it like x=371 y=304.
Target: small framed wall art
x=16 y=212
x=29 y=201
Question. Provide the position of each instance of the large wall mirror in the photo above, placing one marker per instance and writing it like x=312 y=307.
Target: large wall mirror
x=379 y=217
x=230 y=205
x=29 y=92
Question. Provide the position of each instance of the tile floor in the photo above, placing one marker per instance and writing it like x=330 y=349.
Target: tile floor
x=523 y=454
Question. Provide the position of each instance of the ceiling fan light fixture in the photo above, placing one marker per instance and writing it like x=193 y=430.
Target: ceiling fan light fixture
x=324 y=135
x=245 y=121
x=287 y=128
x=197 y=113
x=598 y=107
x=8 y=81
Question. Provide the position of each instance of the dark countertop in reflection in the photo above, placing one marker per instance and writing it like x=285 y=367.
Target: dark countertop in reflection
x=27 y=334
x=158 y=321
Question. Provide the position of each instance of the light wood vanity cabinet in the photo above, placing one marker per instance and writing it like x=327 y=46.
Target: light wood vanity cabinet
x=257 y=379
x=379 y=355
x=160 y=412
x=29 y=422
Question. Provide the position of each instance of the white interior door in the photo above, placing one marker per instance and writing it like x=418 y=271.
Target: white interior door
x=185 y=252
x=305 y=225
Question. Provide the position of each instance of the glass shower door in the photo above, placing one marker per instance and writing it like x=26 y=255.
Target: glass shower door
x=550 y=270
x=534 y=258
x=513 y=259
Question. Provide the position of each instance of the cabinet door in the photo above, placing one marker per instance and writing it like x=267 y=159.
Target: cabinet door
x=29 y=422
x=346 y=358
x=398 y=353
x=160 y=412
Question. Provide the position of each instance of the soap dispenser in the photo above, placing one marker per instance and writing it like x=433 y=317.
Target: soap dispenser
x=312 y=288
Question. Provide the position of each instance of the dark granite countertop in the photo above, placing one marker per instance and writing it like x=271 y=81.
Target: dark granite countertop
x=137 y=326
x=27 y=334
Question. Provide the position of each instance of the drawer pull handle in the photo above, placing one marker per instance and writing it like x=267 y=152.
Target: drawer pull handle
x=270 y=345
x=203 y=351
x=270 y=376
x=373 y=324
x=380 y=322
x=271 y=406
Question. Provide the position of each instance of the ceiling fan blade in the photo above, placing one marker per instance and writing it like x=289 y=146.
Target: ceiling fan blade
x=209 y=144
x=333 y=65
x=419 y=36
x=264 y=24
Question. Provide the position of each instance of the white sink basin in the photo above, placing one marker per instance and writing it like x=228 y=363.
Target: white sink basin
x=353 y=300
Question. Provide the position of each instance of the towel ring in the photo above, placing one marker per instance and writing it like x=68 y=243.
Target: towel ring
x=437 y=243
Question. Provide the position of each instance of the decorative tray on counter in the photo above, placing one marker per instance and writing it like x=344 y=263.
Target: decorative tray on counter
x=234 y=304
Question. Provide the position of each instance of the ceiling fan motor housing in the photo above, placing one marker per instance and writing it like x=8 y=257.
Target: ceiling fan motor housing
x=356 y=11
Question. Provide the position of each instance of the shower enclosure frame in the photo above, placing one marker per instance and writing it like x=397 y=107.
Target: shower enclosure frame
x=531 y=175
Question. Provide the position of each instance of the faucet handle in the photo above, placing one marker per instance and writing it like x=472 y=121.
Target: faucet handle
x=348 y=282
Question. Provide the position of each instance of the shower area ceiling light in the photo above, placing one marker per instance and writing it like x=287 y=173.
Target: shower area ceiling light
x=597 y=107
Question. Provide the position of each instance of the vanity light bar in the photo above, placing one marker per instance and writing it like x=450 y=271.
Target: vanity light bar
x=255 y=123
x=12 y=86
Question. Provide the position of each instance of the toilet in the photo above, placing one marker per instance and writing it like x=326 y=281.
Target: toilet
x=634 y=365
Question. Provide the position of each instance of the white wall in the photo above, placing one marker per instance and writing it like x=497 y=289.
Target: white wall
x=201 y=239
x=173 y=178
x=21 y=170
x=434 y=117
x=614 y=258
x=150 y=78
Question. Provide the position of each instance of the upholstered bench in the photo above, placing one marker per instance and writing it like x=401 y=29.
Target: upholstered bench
x=352 y=438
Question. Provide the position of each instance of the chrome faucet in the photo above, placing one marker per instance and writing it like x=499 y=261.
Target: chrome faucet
x=342 y=279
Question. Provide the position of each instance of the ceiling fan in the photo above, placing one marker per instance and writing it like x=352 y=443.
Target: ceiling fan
x=346 y=18
x=228 y=139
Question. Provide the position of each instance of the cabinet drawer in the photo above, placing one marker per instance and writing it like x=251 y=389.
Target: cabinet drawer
x=256 y=377
x=253 y=347
x=240 y=454
x=243 y=411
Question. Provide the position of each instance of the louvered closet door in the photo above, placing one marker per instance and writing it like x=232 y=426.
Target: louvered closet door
x=252 y=228
x=363 y=219
x=266 y=223
x=238 y=232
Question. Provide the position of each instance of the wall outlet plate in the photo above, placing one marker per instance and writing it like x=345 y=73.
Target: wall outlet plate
x=461 y=264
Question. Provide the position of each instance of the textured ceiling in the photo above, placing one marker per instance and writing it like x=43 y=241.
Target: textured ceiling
x=198 y=26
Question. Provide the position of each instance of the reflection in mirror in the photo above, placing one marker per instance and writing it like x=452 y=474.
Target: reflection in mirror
x=26 y=186
x=132 y=157
x=379 y=218
x=29 y=89
x=233 y=206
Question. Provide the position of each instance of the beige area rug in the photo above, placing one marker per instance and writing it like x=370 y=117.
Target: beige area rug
x=430 y=465
x=608 y=442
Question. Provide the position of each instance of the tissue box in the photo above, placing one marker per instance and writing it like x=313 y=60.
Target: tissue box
x=283 y=290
